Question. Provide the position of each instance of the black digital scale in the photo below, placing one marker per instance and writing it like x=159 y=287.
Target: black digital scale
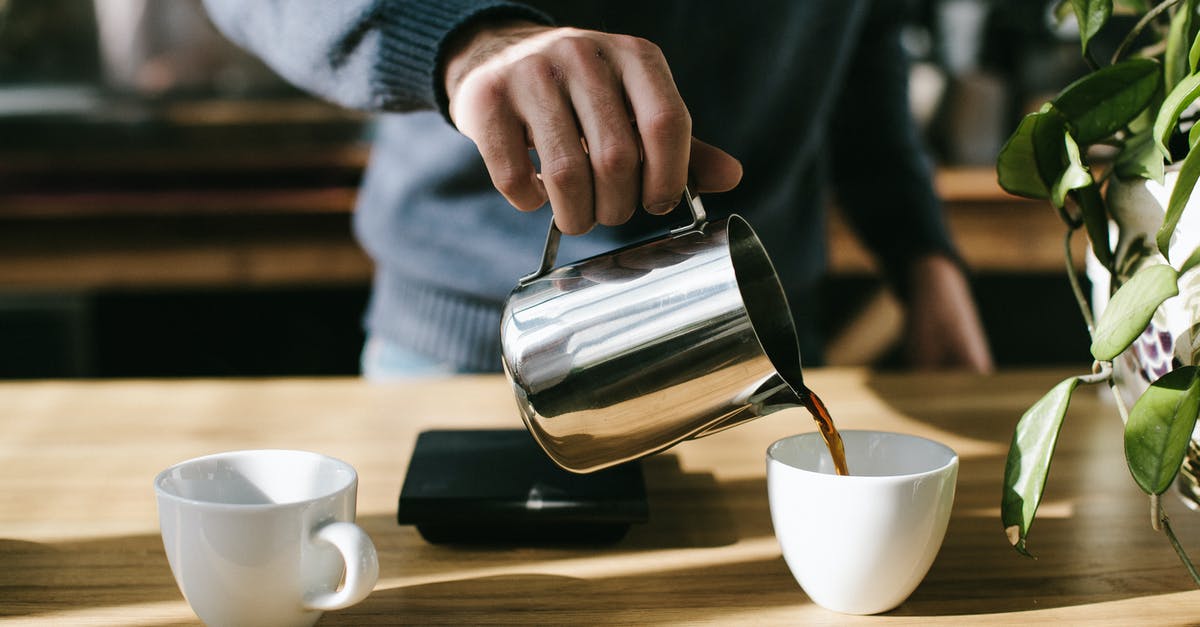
x=499 y=487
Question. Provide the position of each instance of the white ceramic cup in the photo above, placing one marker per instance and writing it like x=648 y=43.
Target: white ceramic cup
x=860 y=544
x=264 y=537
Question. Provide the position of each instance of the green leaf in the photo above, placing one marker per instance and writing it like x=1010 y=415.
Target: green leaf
x=1029 y=458
x=1141 y=159
x=1194 y=55
x=1075 y=175
x=1091 y=14
x=1095 y=218
x=1192 y=261
x=1103 y=102
x=1130 y=310
x=1179 y=39
x=1135 y=6
x=1168 y=114
x=1029 y=163
x=1160 y=427
x=1016 y=165
x=1180 y=194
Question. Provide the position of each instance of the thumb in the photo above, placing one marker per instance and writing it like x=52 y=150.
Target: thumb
x=713 y=169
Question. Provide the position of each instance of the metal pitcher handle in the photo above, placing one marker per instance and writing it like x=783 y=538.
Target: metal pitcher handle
x=550 y=252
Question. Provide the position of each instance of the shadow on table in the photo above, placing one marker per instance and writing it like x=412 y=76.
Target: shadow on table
x=624 y=579
x=42 y=578
x=999 y=406
x=694 y=510
x=977 y=571
x=685 y=509
x=680 y=595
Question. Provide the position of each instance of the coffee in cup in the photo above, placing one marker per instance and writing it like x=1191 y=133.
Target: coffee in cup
x=860 y=544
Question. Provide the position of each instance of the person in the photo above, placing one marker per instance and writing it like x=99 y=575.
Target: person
x=601 y=107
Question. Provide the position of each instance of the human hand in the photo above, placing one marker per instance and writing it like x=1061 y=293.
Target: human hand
x=943 y=326
x=601 y=111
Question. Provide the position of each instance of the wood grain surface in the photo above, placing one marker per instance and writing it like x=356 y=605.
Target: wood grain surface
x=79 y=541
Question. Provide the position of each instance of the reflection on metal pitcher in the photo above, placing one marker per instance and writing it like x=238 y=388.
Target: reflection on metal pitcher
x=625 y=354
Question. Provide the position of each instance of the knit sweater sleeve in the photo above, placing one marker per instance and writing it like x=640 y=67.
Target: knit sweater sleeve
x=881 y=173
x=376 y=55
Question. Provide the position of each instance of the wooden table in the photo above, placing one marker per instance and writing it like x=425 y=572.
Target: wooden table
x=79 y=541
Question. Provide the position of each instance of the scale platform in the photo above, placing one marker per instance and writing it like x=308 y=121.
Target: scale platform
x=499 y=487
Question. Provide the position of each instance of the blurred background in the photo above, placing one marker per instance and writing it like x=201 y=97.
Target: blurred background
x=169 y=207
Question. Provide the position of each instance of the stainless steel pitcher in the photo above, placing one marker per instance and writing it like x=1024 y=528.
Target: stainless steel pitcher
x=628 y=353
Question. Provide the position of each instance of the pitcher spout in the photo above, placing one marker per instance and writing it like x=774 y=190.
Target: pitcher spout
x=775 y=394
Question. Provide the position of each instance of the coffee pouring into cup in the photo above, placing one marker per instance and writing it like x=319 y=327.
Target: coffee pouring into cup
x=628 y=353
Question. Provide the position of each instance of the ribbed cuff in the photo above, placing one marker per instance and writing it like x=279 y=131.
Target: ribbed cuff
x=451 y=327
x=408 y=72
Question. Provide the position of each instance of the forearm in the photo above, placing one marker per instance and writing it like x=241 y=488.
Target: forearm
x=377 y=55
x=944 y=329
x=881 y=174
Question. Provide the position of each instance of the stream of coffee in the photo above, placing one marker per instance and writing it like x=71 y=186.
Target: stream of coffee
x=833 y=439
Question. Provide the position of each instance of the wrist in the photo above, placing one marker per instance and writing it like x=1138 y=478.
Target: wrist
x=926 y=269
x=931 y=268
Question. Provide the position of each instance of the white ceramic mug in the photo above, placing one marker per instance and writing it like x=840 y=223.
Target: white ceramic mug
x=860 y=544
x=264 y=537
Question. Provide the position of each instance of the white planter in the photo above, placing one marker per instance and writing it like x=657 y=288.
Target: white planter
x=1172 y=338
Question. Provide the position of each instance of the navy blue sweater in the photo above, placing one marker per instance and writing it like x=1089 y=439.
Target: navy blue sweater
x=810 y=95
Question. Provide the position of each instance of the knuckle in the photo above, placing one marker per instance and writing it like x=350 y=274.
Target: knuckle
x=536 y=67
x=476 y=101
x=577 y=49
x=669 y=123
x=615 y=159
x=567 y=172
x=643 y=48
x=512 y=181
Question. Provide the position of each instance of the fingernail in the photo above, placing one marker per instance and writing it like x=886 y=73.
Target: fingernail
x=662 y=207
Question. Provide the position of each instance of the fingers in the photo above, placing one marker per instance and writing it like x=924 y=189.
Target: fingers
x=612 y=146
x=487 y=117
x=713 y=169
x=663 y=123
x=552 y=126
x=604 y=116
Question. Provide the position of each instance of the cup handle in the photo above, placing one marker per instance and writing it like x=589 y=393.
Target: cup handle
x=550 y=251
x=362 y=566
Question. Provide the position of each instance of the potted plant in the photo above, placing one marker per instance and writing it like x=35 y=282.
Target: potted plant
x=1110 y=149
